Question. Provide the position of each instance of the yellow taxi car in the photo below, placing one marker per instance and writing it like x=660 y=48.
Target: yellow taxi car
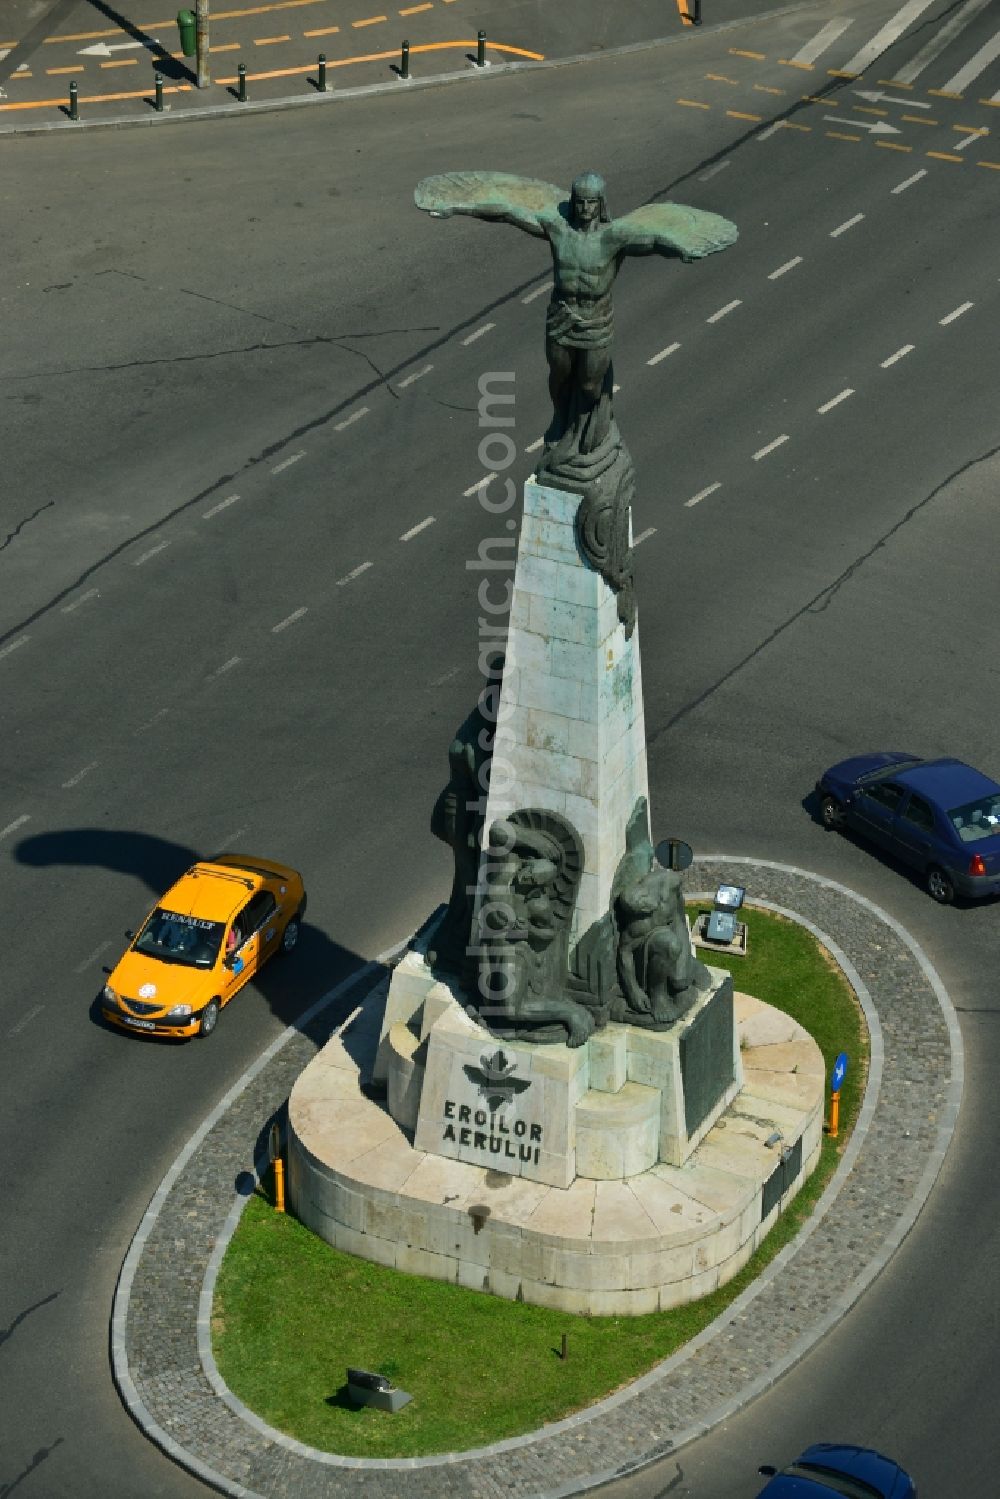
x=209 y=934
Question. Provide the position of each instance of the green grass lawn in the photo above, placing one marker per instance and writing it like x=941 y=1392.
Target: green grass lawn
x=291 y=1312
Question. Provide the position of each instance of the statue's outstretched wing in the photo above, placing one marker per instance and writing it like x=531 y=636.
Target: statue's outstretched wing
x=674 y=229
x=493 y=195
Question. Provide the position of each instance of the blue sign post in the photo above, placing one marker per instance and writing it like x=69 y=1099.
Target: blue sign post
x=836 y=1079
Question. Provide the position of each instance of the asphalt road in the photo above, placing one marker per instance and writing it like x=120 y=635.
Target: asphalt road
x=192 y=317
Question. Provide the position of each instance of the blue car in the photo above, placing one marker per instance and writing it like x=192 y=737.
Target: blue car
x=826 y=1470
x=939 y=816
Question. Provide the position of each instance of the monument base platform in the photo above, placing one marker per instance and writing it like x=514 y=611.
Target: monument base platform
x=625 y=1246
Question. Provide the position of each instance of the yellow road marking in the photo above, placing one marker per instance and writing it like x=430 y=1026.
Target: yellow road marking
x=720 y=78
x=322 y=31
x=734 y=114
x=993 y=165
x=837 y=135
x=693 y=104
x=341 y=62
x=971 y=129
x=918 y=120
x=121 y=62
x=991 y=103
x=79 y=69
x=370 y=21
x=226 y=47
x=757 y=56
x=894 y=83
x=788 y=62
x=762 y=88
x=818 y=99
x=839 y=73
x=941 y=93
x=868 y=109
x=14 y=76
x=791 y=125
x=892 y=146
x=411 y=10
x=269 y=41
x=682 y=11
x=944 y=156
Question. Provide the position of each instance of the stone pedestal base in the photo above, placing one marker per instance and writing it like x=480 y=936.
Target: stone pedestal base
x=609 y=1109
x=623 y=1246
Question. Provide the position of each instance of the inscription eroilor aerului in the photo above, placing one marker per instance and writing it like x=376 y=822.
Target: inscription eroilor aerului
x=475 y=1129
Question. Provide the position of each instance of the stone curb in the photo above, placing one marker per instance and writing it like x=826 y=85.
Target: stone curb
x=611 y=1437
x=231 y=108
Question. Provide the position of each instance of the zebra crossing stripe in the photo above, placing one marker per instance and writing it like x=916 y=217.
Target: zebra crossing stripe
x=940 y=40
x=886 y=35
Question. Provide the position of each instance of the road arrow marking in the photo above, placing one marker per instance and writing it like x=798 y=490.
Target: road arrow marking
x=105 y=49
x=875 y=96
x=875 y=127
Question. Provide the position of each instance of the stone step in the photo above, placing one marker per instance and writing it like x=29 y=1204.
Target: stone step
x=617 y=1134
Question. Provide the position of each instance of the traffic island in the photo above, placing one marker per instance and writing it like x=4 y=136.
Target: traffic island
x=291 y=1313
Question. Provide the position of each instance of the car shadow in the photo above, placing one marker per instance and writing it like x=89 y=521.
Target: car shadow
x=811 y=804
x=291 y=983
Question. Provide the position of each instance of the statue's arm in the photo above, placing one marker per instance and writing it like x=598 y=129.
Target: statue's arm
x=670 y=229
x=522 y=201
x=505 y=213
x=631 y=988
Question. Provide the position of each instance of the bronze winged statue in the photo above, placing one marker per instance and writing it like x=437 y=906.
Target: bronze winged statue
x=588 y=247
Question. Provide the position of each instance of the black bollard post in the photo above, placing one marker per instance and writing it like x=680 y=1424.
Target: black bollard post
x=322 y=73
x=158 y=84
x=404 y=61
x=241 y=83
x=481 y=50
x=74 y=106
x=697 y=12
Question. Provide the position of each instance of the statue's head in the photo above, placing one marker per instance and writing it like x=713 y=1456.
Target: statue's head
x=588 y=200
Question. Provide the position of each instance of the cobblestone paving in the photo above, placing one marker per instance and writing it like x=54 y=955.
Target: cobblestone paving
x=807 y=1287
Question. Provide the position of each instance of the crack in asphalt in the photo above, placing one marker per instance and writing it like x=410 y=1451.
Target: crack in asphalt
x=820 y=601
x=7 y=1331
x=36 y=1462
x=266 y=453
x=12 y=535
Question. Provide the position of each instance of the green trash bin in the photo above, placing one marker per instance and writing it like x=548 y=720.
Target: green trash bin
x=187 y=25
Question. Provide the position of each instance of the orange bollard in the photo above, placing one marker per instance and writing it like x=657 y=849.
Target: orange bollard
x=834 y=1115
x=279 y=1184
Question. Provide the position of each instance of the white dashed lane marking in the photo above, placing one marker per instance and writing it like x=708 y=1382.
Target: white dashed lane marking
x=953 y=315
x=670 y=349
x=355 y=574
x=538 y=292
x=75 y=780
x=92 y=959
x=821 y=410
x=90 y=594
x=15 y=645
x=18 y=822
x=763 y=452
x=702 y=495
x=288 y=462
x=26 y=1020
x=417 y=375
x=720 y=166
x=534 y=446
x=439 y=681
x=478 y=333
x=415 y=530
x=289 y=620
x=222 y=505
x=909 y=181
x=899 y=354
x=226 y=666
x=788 y=265
x=160 y=713
x=475 y=488
x=847 y=224
x=643 y=536
x=151 y=553
x=722 y=312
x=354 y=417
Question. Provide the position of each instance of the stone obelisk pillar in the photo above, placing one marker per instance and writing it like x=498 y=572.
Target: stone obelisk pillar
x=570 y=728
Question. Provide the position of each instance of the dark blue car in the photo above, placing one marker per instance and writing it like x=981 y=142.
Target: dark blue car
x=826 y=1470
x=939 y=816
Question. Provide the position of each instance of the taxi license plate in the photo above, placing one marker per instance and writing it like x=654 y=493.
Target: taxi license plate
x=144 y=1025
